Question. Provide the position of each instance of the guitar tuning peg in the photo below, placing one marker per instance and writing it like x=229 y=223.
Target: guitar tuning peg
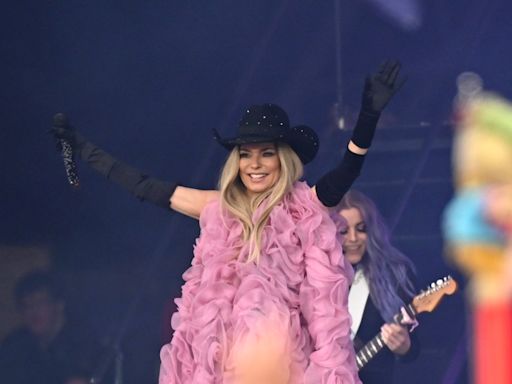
x=439 y=282
x=432 y=285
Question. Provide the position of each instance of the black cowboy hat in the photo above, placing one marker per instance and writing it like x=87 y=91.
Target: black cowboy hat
x=269 y=123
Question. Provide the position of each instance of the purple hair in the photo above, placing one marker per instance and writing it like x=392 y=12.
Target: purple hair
x=387 y=270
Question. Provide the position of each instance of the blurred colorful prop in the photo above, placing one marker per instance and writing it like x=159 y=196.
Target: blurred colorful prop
x=478 y=228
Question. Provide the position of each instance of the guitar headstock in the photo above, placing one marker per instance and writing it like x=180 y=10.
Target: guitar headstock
x=428 y=300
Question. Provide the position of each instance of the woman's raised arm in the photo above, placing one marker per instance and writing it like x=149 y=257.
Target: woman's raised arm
x=164 y=194
x=378 y=91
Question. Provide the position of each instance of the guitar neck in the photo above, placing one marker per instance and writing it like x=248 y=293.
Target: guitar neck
x=368 y=352
x=375 y=345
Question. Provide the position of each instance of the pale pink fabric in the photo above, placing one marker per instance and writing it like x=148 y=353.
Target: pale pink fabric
x=297 y=293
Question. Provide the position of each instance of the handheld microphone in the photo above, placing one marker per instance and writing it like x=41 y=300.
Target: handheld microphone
x=60 y=120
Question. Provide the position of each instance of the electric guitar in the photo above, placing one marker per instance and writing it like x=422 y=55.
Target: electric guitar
x=426 y=301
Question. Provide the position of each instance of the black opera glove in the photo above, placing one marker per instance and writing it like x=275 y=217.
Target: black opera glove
x=142 y=186
x=378 y=90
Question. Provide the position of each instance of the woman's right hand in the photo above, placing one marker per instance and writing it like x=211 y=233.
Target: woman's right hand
x=396 y=337
x=62 y=130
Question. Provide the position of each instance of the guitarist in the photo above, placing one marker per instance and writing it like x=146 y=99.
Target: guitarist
x=382 y=285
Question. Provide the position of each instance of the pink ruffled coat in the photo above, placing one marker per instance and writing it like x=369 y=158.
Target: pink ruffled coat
x=295 y=296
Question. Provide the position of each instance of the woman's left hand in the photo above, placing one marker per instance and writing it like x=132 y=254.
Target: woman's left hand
x=380 y=87
x=396 y=337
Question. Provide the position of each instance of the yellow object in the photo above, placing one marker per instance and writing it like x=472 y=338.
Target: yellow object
x=480 y=157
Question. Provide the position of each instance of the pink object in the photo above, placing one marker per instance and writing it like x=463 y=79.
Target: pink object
x=408 y=320
x=296 y=296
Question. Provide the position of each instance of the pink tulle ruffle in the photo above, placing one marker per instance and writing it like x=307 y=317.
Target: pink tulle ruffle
x=294 y=302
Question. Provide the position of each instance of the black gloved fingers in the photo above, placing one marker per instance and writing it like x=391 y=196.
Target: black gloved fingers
x=60 y=120
x=62 y=133
x=383 y=68
x=380 y=87
x=393 y=81
x=388 y=70
x=400 y=83
x=58 y=144
x=393 y=74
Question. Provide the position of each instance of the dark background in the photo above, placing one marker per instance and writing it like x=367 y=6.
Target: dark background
x=148 y=80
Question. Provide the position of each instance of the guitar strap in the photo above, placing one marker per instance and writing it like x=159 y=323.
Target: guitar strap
x=357 y=297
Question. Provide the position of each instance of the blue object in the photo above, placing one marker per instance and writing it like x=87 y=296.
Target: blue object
x=464 y=220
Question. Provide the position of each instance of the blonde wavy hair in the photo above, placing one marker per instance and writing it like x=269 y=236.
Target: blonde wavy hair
x=235 y=199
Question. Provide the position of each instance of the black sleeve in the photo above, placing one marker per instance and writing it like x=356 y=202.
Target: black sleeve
x=413 y=352
x=334 y=184
x=142 y=186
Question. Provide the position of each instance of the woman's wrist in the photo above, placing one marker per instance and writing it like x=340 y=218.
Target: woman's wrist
x=354 y=148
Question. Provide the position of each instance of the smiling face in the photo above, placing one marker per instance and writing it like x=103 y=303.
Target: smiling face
x=259 y=167
x=355 y=236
